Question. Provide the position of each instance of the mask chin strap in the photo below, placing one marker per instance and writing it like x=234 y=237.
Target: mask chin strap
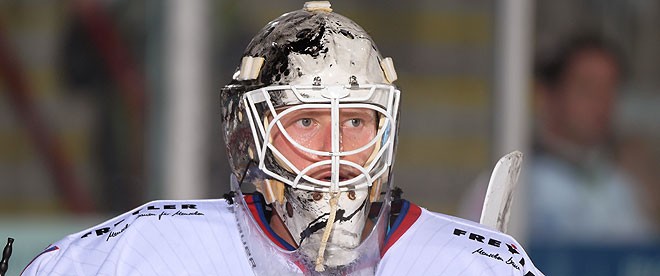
x=334 y=198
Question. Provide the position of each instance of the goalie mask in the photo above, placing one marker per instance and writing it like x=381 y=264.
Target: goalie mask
x=310 y=121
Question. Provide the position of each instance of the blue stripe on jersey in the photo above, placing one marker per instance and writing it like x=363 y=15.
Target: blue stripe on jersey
x=257 y=199
x=402 y=214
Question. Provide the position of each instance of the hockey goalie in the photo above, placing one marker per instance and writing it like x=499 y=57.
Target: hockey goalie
x=310 y=122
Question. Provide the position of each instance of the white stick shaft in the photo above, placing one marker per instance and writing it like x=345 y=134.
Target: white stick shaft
x=499 y=196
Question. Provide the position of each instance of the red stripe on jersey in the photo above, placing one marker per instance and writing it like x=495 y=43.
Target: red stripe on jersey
x=262 y=224
x=409 y=218
x=249 y=199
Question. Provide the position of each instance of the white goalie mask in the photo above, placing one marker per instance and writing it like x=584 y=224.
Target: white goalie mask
x=310 y=120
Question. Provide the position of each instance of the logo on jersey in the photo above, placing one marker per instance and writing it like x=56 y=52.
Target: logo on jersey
x=477 y=238
x=512 y=248
x=152 y=210
x=496 y=256
x=482 y=252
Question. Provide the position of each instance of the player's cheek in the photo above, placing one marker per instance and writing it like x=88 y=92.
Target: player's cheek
x=299 y=158
x=305 y=136
x=361 y=157
x=358 y=135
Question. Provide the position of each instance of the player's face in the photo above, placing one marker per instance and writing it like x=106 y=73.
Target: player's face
x=312 y=129
x=588 y=96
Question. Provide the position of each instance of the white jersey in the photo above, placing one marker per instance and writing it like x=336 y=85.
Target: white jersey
x=201 y=237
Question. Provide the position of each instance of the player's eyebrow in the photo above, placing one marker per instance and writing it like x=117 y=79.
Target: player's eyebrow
x=344 y=112
x=358 y=112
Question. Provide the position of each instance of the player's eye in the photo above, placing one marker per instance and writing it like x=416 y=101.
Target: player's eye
x=306 y=122
x=355 y=122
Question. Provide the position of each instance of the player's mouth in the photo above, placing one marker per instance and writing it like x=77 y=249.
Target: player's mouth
x=326 y=175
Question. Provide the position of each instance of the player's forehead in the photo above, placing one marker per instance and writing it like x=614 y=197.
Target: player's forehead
x=324 y=112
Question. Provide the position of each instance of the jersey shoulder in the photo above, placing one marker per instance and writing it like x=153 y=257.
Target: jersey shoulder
x=159 y=237
x=159 y=215
x=437 y=243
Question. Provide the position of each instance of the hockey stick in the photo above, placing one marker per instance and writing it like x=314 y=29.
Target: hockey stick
x=497 y=204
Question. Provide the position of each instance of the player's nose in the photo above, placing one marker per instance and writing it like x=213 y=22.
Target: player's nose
x=325 y=137
x=323 y=140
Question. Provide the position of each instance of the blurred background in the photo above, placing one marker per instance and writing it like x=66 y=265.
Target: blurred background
x=107 y=104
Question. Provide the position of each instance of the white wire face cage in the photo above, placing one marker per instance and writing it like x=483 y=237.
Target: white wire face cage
x=268 y=107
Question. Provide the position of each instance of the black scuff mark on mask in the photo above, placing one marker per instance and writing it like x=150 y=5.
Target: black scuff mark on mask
x=310 y=42
x=304 y=38
x=320 y=222
x=269 y=29
x=300 y=32
x=347 y=33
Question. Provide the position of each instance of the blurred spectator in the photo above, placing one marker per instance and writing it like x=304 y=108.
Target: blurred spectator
x=641 y=158
x=578 y=193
